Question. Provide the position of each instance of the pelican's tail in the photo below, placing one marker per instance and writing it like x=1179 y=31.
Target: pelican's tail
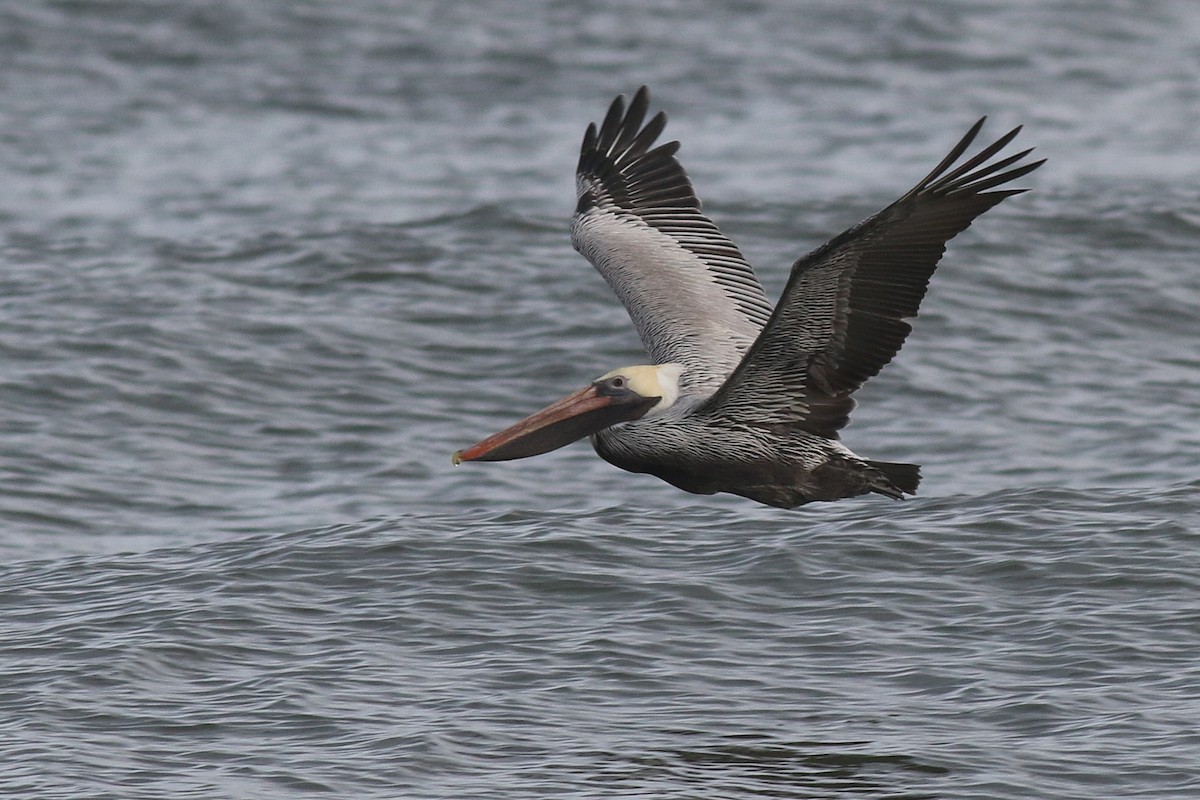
x=895 y=480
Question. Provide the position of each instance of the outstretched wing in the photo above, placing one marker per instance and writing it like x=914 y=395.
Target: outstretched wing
x=692 y=296
x=841 y=317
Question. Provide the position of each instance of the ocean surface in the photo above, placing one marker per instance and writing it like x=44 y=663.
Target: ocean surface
x=264 y=265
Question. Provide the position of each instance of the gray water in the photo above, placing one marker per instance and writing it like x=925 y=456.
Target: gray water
x=266 y=264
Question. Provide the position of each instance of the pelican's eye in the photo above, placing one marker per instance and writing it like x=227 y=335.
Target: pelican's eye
x=614 y=386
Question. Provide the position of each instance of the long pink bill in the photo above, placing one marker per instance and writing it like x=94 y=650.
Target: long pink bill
x=570 y=419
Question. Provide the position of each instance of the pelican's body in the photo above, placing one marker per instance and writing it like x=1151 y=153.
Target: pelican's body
x=774 y=467
x=743 y=397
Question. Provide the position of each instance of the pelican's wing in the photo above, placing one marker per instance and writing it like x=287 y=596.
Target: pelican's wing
x=842 y=315
x=692 y=296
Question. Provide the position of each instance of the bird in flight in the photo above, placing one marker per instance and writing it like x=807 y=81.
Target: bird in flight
x=741 y=397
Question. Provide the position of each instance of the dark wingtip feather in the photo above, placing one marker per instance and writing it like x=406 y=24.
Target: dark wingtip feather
x=654 y=128
x=975 y=175
x=623 y=158
x=587 y=149
x=969 y=177
x=611 y=125
x=952 y=156
x=628 y=127
x=951 y=179
x=981 y=183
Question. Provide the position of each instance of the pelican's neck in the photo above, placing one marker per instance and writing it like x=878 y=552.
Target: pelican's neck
x=668 y=386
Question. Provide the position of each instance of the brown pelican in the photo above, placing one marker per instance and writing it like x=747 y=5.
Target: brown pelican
x=741 y=397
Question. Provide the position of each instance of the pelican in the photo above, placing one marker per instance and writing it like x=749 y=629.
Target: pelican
x=740 y=397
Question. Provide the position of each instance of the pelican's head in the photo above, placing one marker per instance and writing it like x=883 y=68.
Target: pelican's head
x=622 y=395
